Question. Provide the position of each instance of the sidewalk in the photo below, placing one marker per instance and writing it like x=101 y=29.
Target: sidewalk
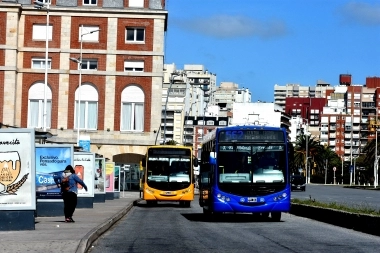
x=52 y=234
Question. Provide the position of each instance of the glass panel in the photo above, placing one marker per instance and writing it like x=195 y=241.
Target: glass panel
x=126 y=116
x=139 y=34
x=130 y=34
x=93 y=64
x=92 y=115
x=33 y=113
x=139 y=117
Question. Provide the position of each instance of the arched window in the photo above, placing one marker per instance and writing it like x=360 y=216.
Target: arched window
x=88 y=116
x=132 y=109
x=36 y=98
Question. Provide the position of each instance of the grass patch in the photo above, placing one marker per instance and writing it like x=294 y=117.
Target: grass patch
x=357 y=208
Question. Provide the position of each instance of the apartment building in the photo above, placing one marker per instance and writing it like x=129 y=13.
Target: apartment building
x=188 y=96
x=103 y=77
x=341 y=119
x=229 y=93
x=296 y=90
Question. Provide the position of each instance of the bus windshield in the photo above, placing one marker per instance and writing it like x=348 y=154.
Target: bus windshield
x=251 y=163
x=169 y=169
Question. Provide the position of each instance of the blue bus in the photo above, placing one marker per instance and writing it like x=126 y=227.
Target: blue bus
x=244 y=169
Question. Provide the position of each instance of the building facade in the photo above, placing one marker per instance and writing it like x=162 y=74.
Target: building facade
x=104 y=71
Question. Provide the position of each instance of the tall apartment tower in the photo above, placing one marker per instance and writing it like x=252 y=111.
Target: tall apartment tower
x=103 y=57
x=188 y=97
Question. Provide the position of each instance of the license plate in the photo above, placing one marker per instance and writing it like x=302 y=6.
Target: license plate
x=168 y=193
x=252 y=199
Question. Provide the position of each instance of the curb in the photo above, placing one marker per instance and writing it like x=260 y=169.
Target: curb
x=365 y=223
x=86 y=242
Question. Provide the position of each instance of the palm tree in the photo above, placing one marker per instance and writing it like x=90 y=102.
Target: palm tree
x=313 y=150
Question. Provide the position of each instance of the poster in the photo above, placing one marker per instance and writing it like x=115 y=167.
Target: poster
x=100 y=171
x=117 y=179
x=84 y=166
x=17 y=169
x=51 y=161
x=110 y=167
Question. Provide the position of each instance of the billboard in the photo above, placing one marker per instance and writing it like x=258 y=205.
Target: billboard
x=51 y=161
x=84 y=166
x=110 y=168
x=100 y=172
x=17 y=169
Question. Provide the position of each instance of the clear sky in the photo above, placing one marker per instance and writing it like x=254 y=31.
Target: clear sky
x=260 y=43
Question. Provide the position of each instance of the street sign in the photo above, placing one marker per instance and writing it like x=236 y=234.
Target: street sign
x=334 y=169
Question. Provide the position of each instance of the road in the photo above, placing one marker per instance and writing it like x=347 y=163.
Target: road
x=170 y=228
x=335 y=193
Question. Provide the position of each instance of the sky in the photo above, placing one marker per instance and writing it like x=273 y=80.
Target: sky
x=260 y=43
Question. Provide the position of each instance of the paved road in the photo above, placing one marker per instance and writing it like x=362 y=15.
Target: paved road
x=338 y=194
x=170 y=228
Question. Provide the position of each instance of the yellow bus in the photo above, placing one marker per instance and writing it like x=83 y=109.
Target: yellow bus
x=168 y=174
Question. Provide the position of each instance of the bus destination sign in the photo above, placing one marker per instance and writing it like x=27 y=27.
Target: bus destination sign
x=251 y=135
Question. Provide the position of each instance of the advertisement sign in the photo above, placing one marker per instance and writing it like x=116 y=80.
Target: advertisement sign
x=17 y=169
x=85 y=143
x=50 y=162
x=110 y=167
x=84 y=166
x=117 y=179
x=100 y=172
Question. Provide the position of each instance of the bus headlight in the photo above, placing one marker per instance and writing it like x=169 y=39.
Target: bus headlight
x=186 y=191
x=280 y=197
x=223 y=198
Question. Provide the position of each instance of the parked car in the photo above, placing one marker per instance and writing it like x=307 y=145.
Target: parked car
x=298 y=182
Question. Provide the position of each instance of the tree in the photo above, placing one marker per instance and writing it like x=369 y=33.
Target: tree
x=171 y=142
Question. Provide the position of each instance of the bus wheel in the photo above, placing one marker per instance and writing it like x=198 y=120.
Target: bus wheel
x=276 y=216
x=186 y=203
x=265 y=215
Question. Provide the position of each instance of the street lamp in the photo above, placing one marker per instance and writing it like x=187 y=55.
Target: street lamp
x=167 y=98
x=355 y=167
x=307 y=170
x=342 y=168
x=80 y=62
x=40 y=5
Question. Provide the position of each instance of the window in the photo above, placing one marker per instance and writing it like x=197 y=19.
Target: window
x=88 y=116
x=36 y=106
x=89 y=33
x=132 y=109
x=135 y=35
x=89 y=2
x=39 y=63
x=89 y=64
x=136 y=3
x=134 y=66
x=39 y=32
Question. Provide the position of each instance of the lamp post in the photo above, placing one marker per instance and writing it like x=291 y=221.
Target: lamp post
x=80 y=62
x=342 y=168
x=307 y=171
x=167 y=98
x=40 y=5
x=355 y=168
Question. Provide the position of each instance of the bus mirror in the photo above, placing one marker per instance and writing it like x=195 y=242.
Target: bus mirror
x=195 y=162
